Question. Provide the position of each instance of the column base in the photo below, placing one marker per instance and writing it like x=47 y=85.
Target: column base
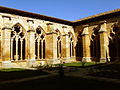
x=31 y=63
x=6 y=64
x=103 y=60
x=53 y=61
x=66 y=60
x=86 y=59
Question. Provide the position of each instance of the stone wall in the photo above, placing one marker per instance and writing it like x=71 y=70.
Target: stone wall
x=98 y=37
x=29 y=26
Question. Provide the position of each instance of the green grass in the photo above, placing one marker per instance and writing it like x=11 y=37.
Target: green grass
x=12 y=69
x=79 y=64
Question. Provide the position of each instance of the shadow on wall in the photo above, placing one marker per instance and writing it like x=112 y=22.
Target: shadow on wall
x=79 y=48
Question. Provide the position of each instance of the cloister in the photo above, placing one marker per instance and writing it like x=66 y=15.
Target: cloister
x=29 y=39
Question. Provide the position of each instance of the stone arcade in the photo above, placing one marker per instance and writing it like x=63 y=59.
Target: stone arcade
x=29 y=39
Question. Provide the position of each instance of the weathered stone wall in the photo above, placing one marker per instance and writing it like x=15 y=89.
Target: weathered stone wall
x=101 y=32
x=8 y=21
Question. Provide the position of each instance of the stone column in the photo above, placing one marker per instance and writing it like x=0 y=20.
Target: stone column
x=21 y=57
x=86 y=45
x=6 y=36
x=65 y=47
x=31 y=44
x=103 y=42
x=41 y=49
x=51 y=48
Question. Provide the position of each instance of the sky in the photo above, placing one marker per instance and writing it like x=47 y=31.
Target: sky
x=64 y=9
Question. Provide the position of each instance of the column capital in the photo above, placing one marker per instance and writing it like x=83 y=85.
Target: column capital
x=103 y=27
x=85 y=31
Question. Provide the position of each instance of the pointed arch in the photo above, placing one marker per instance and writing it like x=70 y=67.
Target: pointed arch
x=20 y=25
x=58 y=31
x=40 y=43
x=18 y=42
x=71 y=41
x=59 y=36
x=114 y=42
x=39 y=27
x=71 y=34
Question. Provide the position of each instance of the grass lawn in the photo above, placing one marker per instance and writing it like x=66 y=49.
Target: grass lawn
x=18 y=73
x=79 y=64
x=57 y=83
x=12 y=69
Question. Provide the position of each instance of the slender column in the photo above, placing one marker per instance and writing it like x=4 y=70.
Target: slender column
x=41 y=49
x=71 y=48
x=103 y=43
x=38 y=57
x=16 y=48
x=21 y=50
x=26 y=49
x=58 y=49
x=11 y=48
x=86 y=45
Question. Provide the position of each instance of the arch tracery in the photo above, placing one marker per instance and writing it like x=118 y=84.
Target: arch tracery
x=39 y=43
x=18 y=39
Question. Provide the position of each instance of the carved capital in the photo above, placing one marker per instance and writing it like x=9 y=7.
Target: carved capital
x=103 y=27
x=85 y=31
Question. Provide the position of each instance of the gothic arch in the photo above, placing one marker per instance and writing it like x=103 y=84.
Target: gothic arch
x=79 y=46
x=95 y=44
x=114 y=42
x=40 y=43
x=41 y=29
x=59 y=46
x=18 y=42
x=20 y=24
x=71 y=42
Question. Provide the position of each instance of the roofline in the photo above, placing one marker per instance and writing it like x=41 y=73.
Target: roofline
x=33 y=15
x=93 y=18
x=100 y=16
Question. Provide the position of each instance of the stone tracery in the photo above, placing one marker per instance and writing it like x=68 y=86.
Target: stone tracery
x=18 y=35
